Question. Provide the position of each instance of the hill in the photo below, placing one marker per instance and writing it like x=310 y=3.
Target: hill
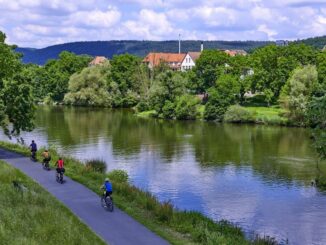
x=141 y=48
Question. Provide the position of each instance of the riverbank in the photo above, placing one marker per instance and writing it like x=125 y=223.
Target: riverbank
x=30 y=215
x=178 y=227
x=240 y=114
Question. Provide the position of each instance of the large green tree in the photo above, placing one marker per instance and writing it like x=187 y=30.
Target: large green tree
x=298 y=91
x=89 y=87
x=16 y=100
x=273 y=66
x=55 y=78
x=208 y=68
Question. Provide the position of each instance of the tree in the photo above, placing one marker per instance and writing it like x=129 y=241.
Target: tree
x=166 y=87
x=273 y=65
x=55 y=79
x=297 y=92
x=224 y=94
x=186 y=107
x=16 y=101
x=207 y=69
x=89 y=87
x=317 y=120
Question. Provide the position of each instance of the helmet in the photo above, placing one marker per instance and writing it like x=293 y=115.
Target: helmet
x=107 y=180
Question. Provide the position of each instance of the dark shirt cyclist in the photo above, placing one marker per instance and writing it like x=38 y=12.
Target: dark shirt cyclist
x=33 y=147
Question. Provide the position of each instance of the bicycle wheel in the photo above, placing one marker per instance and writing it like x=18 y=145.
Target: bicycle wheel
x=109 y=204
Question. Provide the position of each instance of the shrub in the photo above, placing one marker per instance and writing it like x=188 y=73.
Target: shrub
x=96 y=165
x=142 y=106
x=186 y=108
x=239 y=114
x=168 y=110
x=119 y=176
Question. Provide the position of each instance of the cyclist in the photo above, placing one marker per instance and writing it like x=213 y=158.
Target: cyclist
x=46 y=158
x=60 y=166
x=107 y=186
x=33 y=148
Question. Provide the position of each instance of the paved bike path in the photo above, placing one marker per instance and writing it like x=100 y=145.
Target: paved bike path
x=115 y=228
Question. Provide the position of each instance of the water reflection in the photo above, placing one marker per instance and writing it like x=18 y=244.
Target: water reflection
x=256 y=176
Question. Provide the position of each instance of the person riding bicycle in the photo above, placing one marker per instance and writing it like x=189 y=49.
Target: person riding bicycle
x=46 y=157
x=60 y=166
x=107 y=186
x=33 y=148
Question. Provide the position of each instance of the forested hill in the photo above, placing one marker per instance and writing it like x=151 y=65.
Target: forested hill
x=141 y=48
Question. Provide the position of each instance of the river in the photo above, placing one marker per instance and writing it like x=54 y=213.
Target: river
x=256 y=176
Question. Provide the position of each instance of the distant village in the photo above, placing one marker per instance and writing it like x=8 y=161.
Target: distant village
x=179 y=61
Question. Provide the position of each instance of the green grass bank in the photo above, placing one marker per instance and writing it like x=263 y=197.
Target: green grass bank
x=241 y=114
x=30 y=215
x=176 y=226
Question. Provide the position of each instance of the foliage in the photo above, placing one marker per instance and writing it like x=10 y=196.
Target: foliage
x=221 y=97
x=168 y=110
x=96 y=165
x=54 y=78
x=298 y=91
x=89 y=88
x=317 y=119
x=167 y=86
x=16 y=101
x=273 y=65
x=239 y=114
x=207 y=69
x=30 y=215
x=119 y=176
x=186 y=107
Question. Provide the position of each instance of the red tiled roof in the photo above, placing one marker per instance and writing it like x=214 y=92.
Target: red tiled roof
x=98 y=60
x=235 y=52
x=156 y=58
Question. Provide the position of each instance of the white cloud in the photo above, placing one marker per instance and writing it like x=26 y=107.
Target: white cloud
x=43 y=23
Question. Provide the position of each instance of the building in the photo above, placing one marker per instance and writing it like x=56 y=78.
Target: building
x=234 y=52
x=97 y=61
x=189 y=61
x=173 y=60
x=282 y=43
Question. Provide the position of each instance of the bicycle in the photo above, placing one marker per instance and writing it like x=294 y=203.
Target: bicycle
x=33 y=156
x=46 y=165
x=59 y=177
x=107 y=202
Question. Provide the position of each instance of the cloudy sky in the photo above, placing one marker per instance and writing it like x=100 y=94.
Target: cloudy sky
x=40 y=23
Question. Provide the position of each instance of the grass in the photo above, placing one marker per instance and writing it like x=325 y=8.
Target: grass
x=30 y=215
x=177 y=227
x=268 y=115
x=147 y=114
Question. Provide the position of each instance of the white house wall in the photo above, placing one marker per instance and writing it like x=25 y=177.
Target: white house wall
x=187 y=63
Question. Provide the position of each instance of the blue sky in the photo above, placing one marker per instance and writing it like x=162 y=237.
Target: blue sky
x=39 y=23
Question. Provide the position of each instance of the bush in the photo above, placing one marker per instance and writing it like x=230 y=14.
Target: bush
x=142 y=106
x=186 y=108
x=119 y=176
x=215 y=111
x=168 y=110
x=239 y=114
x=96 y=165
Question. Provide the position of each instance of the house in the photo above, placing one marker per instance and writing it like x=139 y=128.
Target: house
x=173 y=60
x=189 y=61
x=281 y=43
x=97 y=61
x=234 y=52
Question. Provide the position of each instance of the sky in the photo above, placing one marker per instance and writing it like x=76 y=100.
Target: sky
x=41 y=23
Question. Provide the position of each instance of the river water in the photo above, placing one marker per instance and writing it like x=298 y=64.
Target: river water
x=258 y=177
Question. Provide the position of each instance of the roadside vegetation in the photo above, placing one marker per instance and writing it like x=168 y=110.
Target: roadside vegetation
x=176 y=226
x=30 y=215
